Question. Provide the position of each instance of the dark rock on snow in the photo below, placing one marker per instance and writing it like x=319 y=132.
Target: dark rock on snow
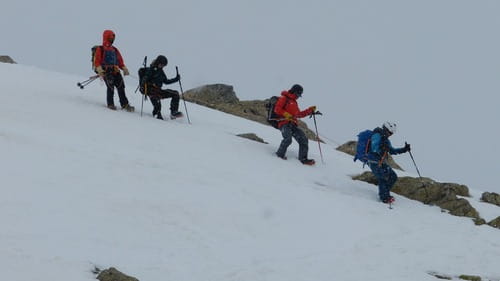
x=470 y=277
x=491 y=197
x=6 y=59
x=112 y=274
x=252 y=136
x=495 y=223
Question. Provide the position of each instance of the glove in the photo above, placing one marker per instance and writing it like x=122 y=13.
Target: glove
x=407 y=147
x=125 y=71
x=99 y=70
x=288 y=116
x=178 y=77
x=312 y=108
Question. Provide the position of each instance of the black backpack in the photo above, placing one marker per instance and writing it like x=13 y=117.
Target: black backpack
x=142 y=82
x=93 y=56
x=272 y=118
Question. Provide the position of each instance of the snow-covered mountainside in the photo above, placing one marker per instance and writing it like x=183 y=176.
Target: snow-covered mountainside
x=164 y=200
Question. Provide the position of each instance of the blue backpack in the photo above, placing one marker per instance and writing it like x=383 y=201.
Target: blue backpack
x=364 y=141
x=109 y=57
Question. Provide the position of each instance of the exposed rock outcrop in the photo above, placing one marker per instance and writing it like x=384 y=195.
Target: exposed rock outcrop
x=223 y=98
x=495 y=223
x=350 y=148
x=112 y=274
x=431 y=192
x=6 y=59
x=479 y=221
x=491 y=197
x=213 y=95
x=470 y=277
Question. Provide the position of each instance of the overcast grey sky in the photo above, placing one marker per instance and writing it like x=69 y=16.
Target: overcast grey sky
x=431 y=66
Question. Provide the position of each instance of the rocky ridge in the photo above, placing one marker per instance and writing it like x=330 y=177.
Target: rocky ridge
x=223 y=98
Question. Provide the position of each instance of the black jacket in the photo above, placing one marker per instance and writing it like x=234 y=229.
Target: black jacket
x=155 y=76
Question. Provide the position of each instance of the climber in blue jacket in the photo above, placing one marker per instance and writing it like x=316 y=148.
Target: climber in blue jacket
x=380 y=147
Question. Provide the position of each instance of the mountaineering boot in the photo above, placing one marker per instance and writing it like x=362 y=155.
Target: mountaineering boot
x=281 y=156
x=128 y=108
x=308 y=161
x=112 y=107
x=157 y=114
x=175 y=114
x=389 y=200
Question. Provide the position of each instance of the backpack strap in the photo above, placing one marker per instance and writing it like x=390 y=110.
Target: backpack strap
x=271 y=109
x=382 y=159
x=101 y=49
x=94 y=54
x=286 y=102
x=368 y=144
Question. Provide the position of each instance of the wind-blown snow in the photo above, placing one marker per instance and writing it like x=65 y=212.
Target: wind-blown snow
x=163 y=200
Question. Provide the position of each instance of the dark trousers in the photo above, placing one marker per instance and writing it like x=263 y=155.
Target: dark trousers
x=291 y=130
x=113 y=80
x=386 y=179
x=156 y=95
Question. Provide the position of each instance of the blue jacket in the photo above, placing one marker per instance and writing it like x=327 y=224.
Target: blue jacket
x=380 y=145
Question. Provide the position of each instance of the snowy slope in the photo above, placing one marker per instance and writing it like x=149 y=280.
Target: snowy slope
x=164 y=200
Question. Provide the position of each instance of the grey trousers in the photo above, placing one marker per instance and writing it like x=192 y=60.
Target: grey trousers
x=291 y=130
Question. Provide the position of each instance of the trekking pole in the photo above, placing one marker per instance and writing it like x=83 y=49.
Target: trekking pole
x=145 y=87
x=415 y=164
x=182 y=93
x=317 y=135
x=82 y=84
x=91 y=78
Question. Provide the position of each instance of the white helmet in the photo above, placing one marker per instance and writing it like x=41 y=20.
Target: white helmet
x=391 y=127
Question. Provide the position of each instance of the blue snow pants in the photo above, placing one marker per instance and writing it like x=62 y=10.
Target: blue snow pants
x=386 y=179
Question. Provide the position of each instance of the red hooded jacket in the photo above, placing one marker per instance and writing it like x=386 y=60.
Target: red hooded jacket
x=107 y=55
x=288 y=103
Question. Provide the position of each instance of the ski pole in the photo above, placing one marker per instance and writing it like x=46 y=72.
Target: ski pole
x=86 y=82
x=317 y=136
x=182 y=93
